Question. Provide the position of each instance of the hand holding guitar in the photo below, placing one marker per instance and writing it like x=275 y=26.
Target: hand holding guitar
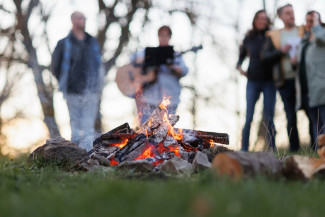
x=130 y=79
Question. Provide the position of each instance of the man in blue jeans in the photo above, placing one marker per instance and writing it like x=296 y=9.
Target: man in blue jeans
x=76 y=63
x=279 y=50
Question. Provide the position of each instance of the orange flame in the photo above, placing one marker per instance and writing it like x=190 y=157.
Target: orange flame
x=177 y=136
x=147 y=153
x=165 y=103
x=137 y=119
x=121 y=144
x=211 y=143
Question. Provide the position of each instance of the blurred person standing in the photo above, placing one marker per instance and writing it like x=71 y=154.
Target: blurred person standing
x=166 y=83
x=302 y=98
x=259 y=78
x=76 y=63
x=315 y=70
x=280 y=50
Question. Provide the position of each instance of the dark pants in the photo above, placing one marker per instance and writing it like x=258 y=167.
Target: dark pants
x=288 y=96
x=308 y=111
x=318 y=120
x=253 y=91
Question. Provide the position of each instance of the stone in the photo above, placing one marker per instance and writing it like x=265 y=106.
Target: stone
x=93 y=162
x=142 y=166
x=201 y=162
x=176 y=165
x=58 y=150
x=101 y=160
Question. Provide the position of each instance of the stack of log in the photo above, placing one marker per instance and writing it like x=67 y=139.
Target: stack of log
x=240 y=164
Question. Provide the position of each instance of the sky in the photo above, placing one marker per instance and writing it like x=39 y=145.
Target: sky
x=214 y=67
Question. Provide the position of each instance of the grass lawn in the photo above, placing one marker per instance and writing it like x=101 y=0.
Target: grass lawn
x=26 y=190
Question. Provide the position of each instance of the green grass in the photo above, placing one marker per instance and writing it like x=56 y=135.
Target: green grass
x=26 y=190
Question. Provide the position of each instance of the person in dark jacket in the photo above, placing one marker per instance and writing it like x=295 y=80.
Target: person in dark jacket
x=280 y=50
x=76 y=63
x=259 y=79
x=302 y=98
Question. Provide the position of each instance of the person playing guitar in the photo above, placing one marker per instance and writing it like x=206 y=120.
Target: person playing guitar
x=166 y=82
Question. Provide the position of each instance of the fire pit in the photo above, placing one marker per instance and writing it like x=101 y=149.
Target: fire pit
x=156 y=144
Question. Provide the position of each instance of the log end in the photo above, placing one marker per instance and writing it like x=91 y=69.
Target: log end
x=224 y=165
x=321 y=146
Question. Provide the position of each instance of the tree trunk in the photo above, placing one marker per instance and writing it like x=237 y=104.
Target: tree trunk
x=243 y=164
x=45 y=96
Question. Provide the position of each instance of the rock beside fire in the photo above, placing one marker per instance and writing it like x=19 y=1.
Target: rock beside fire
x=201 y=162
x=177 y=165
x=58 y=151
x=141 y=166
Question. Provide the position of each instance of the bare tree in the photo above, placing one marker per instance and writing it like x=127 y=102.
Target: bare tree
x=21 y=36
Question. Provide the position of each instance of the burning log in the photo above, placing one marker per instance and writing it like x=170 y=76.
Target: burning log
x=132 y=145
x=242 y=164
x=118 y=135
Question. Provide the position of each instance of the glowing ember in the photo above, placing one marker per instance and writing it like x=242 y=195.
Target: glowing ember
x=175 y=150
x=165 y=103
x=122 y=144
x=114 y=162
x=149 y=152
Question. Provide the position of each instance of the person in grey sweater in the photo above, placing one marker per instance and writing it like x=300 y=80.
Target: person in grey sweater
x=166 y=84
x=315 y=70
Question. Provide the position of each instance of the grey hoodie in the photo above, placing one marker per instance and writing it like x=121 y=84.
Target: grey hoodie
x=315 y=65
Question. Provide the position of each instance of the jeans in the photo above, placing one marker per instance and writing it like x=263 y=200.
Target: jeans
x=83 y=111
x=145 y=110
x=253 y=90
x=288 y=96
x=308 y=111
x=318 y=120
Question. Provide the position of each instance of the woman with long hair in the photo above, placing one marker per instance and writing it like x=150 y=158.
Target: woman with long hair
x=259 y=78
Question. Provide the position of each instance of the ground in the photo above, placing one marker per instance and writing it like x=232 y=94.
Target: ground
x=28 y=190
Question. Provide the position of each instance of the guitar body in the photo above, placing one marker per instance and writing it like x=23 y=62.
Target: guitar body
x=130 y=79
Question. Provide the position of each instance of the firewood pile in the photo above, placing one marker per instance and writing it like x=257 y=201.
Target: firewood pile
x=156 y=146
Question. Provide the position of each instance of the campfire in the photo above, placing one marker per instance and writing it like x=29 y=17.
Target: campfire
x=159 y=147
x=156 y=142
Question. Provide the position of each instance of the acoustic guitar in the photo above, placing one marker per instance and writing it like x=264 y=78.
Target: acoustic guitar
x=130 y=78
